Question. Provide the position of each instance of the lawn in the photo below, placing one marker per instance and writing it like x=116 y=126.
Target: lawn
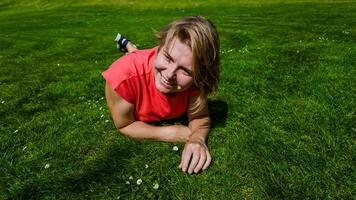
x=284 y=119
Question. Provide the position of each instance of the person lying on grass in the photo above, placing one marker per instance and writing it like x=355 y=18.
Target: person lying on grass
x=166 y=82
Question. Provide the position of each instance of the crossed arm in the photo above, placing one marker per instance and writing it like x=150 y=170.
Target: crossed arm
x=195 y=156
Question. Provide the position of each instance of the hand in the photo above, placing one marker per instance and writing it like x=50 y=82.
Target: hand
x=179 y=133
x=198 y=151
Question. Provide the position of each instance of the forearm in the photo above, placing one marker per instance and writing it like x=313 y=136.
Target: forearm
x=131 y=47
x=200 y=128
x=141 y=130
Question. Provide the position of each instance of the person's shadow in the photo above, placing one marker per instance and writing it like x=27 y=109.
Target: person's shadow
x=101 y=169
x=218 y=111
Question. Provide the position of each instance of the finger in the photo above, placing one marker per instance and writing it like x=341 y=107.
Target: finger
x=180 y=164
x=181 y=161
x=208 y=160
x=186 y=158
x=194 y=162
x=201 y=161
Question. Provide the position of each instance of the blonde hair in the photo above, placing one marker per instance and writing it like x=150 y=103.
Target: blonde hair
x=201 y=36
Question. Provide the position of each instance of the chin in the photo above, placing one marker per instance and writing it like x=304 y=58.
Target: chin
x=165 y=90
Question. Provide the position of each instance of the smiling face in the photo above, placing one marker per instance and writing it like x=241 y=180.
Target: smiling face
x=173 y=67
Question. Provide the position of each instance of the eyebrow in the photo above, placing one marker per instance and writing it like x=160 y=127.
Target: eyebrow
x=168 y=55
x=171 y=58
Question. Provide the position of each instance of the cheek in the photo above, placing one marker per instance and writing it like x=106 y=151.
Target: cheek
x=156 y=63
x=185 y=80
x=159 y=63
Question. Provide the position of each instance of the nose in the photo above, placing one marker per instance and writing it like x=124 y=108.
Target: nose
x=171 y=71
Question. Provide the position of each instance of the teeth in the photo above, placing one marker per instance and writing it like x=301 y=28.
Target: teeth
x=167 y=82
x=164 y=80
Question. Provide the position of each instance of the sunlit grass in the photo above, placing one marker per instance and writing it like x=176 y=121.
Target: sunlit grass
x=284 y=117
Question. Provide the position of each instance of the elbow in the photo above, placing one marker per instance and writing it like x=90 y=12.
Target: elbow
x=120 y=126
x=122 y=122
x=123 y=128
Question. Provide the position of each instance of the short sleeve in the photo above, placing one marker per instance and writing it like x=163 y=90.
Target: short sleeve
x=125 y=90
x=118 y=75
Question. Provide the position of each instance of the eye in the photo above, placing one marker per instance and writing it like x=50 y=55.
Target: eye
x=186 y=72
x=168 y=59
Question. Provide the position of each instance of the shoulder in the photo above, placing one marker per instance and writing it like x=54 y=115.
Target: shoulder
x=129 y=65
x=143 y=58
x=142 y=54
x=118 y=71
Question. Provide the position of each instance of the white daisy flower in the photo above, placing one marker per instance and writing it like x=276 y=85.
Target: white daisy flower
x=175 y=148
x=106 y=121
x=139 y=181
x=47 y=166
x=156 y=186
x=101 y=116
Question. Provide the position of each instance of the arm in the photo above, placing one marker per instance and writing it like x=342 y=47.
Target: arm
x=196 y=148
x=122 y=113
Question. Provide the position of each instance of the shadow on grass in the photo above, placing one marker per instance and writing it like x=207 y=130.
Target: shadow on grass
x=100 y=171
x=218 y=110
x=104 y=167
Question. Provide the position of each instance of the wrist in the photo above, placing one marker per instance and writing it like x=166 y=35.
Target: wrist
x=196 y=138
x=171 y=133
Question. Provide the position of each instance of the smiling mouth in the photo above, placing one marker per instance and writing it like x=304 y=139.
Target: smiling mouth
x=166 y=83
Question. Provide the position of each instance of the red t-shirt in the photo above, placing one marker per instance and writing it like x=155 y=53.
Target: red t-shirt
x=132 y=77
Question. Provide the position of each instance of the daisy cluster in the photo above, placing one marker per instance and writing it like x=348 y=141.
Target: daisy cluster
x=225 y=51
x=139 y=181
x=96 y=104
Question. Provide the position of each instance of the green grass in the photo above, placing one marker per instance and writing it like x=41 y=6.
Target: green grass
x=284 y=117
